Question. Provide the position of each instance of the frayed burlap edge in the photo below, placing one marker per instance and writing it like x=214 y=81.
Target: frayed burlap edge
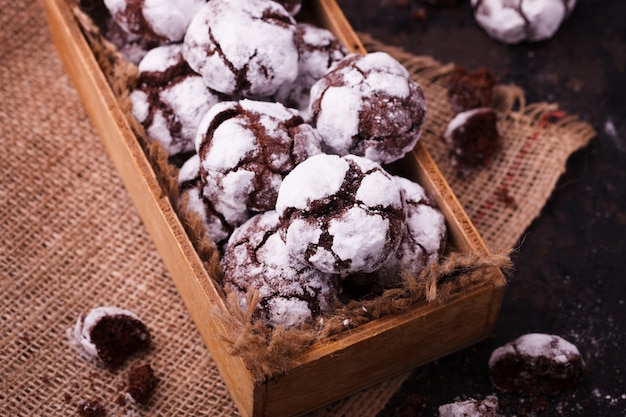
x=272 y=351
x=268 y=351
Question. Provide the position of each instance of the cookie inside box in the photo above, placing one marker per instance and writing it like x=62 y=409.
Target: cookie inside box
x=267 y=352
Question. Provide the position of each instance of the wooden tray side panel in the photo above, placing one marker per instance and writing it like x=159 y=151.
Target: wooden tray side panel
x=383 y=350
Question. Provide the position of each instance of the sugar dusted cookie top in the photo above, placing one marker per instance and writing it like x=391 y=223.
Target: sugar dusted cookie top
x=536 y=363
x=514 y=21
x=243 y=47
x=290 y=292
x=246 y=148
x=160 y=20
x=368 y=106
x=191 y=188
x=341 y=214
x=424 y=235
x=170 y=99
x=318 y=51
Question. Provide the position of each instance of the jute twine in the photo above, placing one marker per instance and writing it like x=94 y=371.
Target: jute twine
x=71 y=239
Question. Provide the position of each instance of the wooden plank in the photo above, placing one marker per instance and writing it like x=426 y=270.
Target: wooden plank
x=381 y=349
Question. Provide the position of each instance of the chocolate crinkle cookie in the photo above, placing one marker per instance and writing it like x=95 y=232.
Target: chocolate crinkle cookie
x=472 y=139
x=348 y=220
x=514 y=21
x=162 y=21
x=142 y=383
x=367 y=105
x=423 y=238
x=170 y=99
x=487 y=407
x=318 y=51
x=536 y=363
x=468 y=90
x=191 y=193
x=110 y=335
x=291 y=292
x=246 y=148
x=243 y=48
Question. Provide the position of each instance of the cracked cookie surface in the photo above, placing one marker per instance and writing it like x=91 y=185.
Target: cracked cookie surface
x=514 y=21
x=290 y=292
x=244 y=48
x=341 y=214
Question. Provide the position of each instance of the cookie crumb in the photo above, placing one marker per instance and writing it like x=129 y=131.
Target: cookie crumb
x=91 y=408
x=141 y=383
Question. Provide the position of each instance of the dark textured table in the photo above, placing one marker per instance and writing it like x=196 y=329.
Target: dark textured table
x=570 y=276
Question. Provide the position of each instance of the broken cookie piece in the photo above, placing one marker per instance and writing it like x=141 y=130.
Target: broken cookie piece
x=536 y=363
x=471 y=408
x=472 y=139
x=110 y=335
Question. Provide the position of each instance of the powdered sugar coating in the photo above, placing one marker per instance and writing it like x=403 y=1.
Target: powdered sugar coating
x=170 y=99
x=471 y=408
x=318 y=51
x=513 y=21
x=191 y=189
x=423 y=238
x=291 y=293
x=536 y=363
x=133 y=47
x=81 y=337
x=243 y=47
x=348 y=220
x=368 y=106
x=160 y=20
x=246 y=148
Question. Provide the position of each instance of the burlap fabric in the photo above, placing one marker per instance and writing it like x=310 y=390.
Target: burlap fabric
x=71 y=239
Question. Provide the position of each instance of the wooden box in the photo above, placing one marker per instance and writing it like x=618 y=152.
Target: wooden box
x=326 y=370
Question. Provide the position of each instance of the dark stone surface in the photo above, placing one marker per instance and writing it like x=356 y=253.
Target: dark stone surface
x=570 y=276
